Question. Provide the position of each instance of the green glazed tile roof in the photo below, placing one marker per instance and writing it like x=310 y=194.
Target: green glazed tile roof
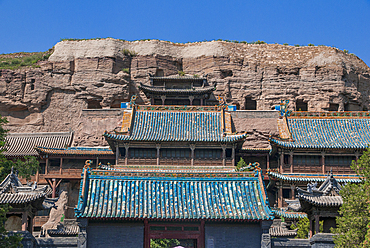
x=307 y=177
x=120 y=197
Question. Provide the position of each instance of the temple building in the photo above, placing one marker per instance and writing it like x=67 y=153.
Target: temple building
x=321 y=204
x=311 y=144
x=179 y=90
x=174 y=178
x=24 y=200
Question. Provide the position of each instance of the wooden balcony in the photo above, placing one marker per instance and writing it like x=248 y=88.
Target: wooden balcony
x=64 y=173
x=318 y=169
x=175 y=161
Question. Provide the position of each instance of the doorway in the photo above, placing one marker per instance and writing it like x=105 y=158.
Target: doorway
x=169 y=235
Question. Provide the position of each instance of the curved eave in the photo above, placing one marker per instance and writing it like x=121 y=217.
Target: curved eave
x=225 y=139
x=195 y=91
x=309 y=178
x=291 y=145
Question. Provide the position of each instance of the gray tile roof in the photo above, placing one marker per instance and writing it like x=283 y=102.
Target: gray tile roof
x=23 y=144
x=327 y=195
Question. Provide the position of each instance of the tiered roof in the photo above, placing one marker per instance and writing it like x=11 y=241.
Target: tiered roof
x=327 y=195
x=14 y=193
x=186 y=92
x=113 y=195
x=177 y=123
x=23 y=144
x=333 y=130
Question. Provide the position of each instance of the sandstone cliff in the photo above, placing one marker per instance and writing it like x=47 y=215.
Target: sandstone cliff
x=102 y=73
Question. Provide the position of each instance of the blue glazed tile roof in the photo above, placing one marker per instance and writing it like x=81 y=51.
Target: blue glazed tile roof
x=173 y=198
x=327 y=133
x=302 y=177
x=176 y=126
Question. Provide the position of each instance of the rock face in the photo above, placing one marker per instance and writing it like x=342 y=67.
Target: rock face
x=97 y=74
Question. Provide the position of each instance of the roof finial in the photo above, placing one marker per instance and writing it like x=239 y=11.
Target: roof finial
x=284 y=108
x=12 y=170
x=132 y=100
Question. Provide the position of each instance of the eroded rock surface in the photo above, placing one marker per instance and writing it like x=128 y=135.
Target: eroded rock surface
x=102 y=73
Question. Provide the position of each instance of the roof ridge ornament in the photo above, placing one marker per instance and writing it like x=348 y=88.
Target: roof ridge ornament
x=284 y=112
x=132 y=101
x=221 y=102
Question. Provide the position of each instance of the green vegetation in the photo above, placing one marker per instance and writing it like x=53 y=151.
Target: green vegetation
x=26 y=167
x=345 y=51
x=303 y=226
x=181 y=73
x=18 y=60
x=310 y=44
x=240 y=164
x=163 y=243
x=128 y=52
x=353 y=222
x=196 y=75
x=126 y=70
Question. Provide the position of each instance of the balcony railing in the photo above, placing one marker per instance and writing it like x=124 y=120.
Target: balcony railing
x=175 y=161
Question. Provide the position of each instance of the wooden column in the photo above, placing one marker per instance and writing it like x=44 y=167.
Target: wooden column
x=201 y=102
x=268 y=161
x=46 y=166
x=292 y=187
x=31 y=225
x=223 y=146
x=24 y=221
x=163 y=99
x=97 y=162
x=317 y=224
x=146 y=235
x=191 y=98
x=280 y=195
x=202 y=242
x=233 y=155
x=54 y=187
x=60 y=166
x=37 y=176
x=158 y=146
x=192 y=148
x=357 y=155
x=282 y=162
x=311 y=228
x=291 y=161
x=126 y=153
x=117 y=153
x=323 y=162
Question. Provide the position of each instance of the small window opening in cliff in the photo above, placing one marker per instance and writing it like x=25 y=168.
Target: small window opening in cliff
x=250 y=104
x=93 y=104
x=300 y=105
x=333 y=107
x=226 y=73
x=159 y=73
x=365 y=108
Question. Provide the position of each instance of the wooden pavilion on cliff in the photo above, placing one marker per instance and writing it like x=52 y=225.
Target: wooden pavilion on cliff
x=179 y=90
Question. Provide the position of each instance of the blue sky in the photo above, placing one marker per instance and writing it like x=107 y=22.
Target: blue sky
x=38 y=25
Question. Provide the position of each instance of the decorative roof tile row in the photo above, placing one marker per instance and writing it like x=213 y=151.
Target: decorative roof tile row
x=77 y=151
x=289 y=215
x=327 y=133
x=162 y=90
x=323 y=201
x=176 y=126
x=65 y=230
x=173 y=198
x=23 y=144
x=302 y=177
